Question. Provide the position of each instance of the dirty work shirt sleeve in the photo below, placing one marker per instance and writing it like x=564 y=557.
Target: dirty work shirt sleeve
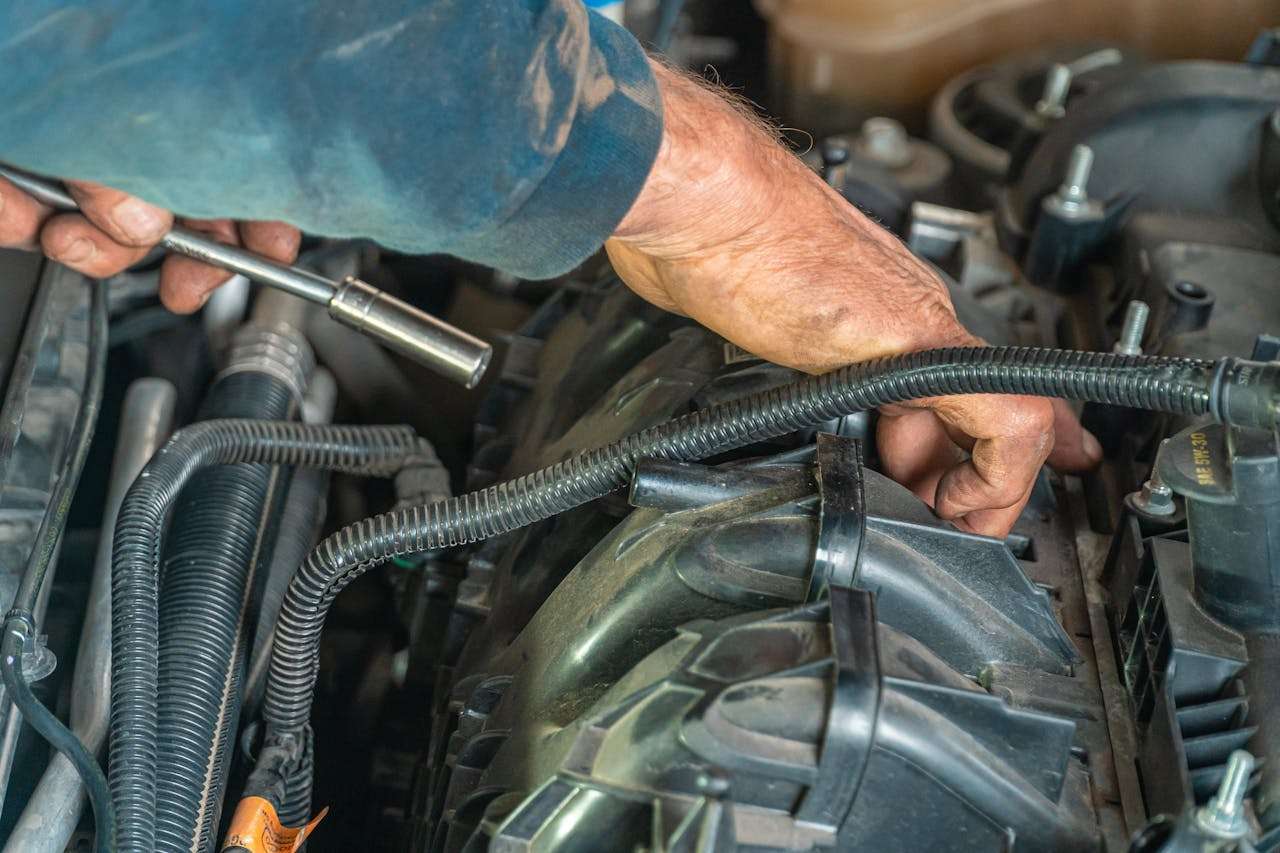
x=513 y=133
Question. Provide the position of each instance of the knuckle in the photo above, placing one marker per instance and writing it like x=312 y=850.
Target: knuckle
x=1010 y=492
x=1003 y=487
x=1030 y=418
x=1041 y=428
x=1003 y=482
x=931 y=320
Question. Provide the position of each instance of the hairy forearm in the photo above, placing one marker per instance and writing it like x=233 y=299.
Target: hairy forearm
x=734 y=231
x=716 y=169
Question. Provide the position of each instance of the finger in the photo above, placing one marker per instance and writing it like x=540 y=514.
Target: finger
x=1014 y=437
x=277 y=240
x=915 y=450
x=71 y=239
x=1074 y=447
x=20 y=218
x=185 y=283
x=994 y=522
x=128 y=220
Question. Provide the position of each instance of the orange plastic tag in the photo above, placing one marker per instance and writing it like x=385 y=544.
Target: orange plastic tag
x=255 y=828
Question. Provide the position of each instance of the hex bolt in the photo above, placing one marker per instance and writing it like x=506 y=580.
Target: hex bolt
x=1155 y=497
x=712 y=782
x=1223 y=816
x=1075 y=183
x=885 y=141
x=1135 y=326
x=1057 y=85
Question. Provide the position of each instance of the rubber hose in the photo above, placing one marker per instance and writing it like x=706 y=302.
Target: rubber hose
x=222 y=526
x=135 y=569
x=1178 y=386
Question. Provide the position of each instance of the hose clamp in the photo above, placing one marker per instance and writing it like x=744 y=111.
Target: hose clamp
x=1216 y=385
x=278 y=350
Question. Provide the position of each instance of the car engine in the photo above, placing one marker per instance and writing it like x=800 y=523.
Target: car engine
x=766 y=646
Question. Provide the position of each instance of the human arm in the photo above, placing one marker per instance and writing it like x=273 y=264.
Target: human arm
x=735 y=232
x=728 y=227
x=513 y=134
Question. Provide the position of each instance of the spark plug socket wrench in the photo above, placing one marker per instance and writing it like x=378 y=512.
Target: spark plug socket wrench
x=449 y=351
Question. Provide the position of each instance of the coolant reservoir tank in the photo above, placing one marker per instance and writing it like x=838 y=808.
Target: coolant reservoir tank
x=1230 y=479
x=836 y=62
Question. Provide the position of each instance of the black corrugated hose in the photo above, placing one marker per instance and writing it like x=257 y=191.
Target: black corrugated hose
x=19 y=627
x=224 y=523
x=135 y=568
x=1231 y=390
x=300 y=527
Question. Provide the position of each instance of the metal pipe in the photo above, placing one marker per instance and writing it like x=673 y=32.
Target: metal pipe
x=300 y=522
x=416 y=334
x=53 y=812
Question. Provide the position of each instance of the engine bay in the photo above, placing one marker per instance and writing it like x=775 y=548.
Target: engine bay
x=771 y=646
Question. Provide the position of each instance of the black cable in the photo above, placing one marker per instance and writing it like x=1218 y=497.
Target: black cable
x=1231 y=390
x=19 y=627
x=135 y=570
x=58 y=735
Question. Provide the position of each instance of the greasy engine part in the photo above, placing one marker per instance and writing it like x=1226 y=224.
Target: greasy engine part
x=987 y=118
x=517 y=739
x=778 y=647
x=51 y=815
x=1234 y=391
x=745 y=708
x=659 y=571
x=23 y=657
x=44 y=395
x=1230 y=483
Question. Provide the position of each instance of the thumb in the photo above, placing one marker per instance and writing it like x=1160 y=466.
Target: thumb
x=128 y=220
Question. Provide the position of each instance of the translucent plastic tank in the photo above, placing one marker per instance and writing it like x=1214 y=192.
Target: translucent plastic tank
x=836 y=62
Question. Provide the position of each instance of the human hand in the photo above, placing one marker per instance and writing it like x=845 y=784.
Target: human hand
x=114 y=231
x=734 y=232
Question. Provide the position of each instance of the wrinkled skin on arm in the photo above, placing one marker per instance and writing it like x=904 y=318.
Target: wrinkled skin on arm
x=734 y=232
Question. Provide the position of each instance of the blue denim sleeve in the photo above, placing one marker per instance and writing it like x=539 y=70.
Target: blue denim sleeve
x=513 y=133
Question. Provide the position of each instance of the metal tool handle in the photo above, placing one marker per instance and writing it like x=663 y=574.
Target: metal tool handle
x=427 y=340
